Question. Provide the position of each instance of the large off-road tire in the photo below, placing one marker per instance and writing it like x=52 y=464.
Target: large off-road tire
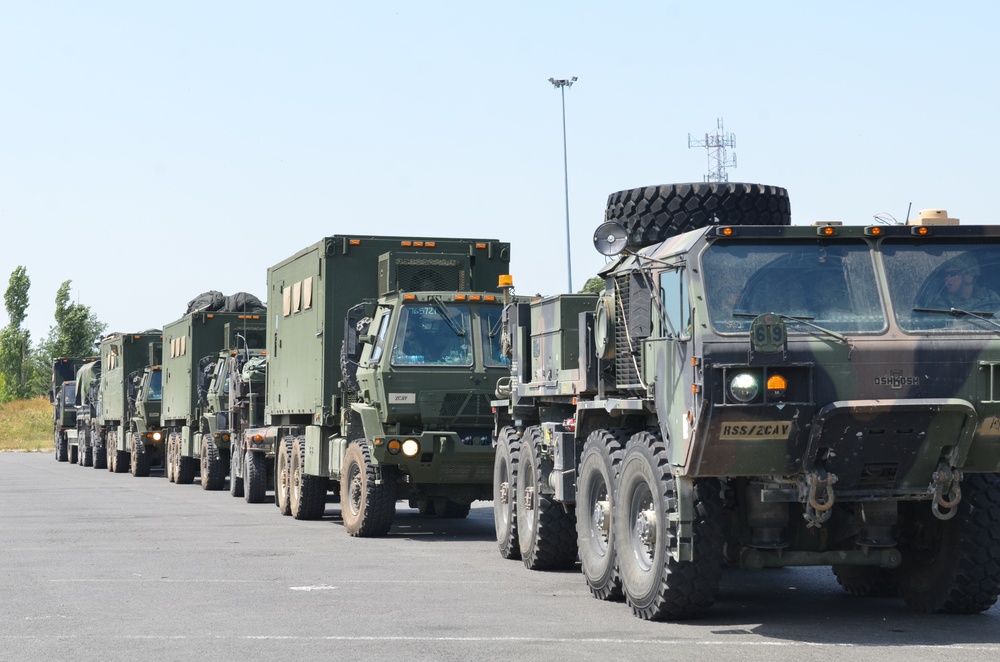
x=653 y=213
x=952 y=566
x=236 y=471
x=656 y=586
x=308 y=493
x=367 y=494
x=866 y=581
x=254 y=476
x=184 y=467
x=100 y=452
x=139 y=457
x=86 y=452
x=600 y=463
x=74 y=453
x=283 y=477
x=213 y=471
x=62 y=448
x=505 y=492
x=170 y=460
x=546 y=529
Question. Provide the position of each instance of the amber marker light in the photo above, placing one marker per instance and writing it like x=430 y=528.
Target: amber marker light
x=353 y=242
x=481 y=245
x=430 y=244
x=475 y=297
x=379 y=441
x=409 y=297
x=407 y=244
x=395 y=446
x=459 y=297
x=827 y=231
x=776 y=386
x=726 y=232
x=489 y=297
x=873 y=231
x=921 y=230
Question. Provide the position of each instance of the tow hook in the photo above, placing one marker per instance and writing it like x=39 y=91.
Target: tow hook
x=818 y=510
x=946 y=481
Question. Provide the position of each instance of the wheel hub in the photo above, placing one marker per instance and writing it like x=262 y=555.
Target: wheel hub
x=645 y=527
x=600 y=517
x=504 y=492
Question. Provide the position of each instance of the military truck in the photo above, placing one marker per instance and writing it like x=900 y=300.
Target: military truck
x=197 y=436
x=236 y=388
x=124 y=358
x=88 y=383
x=62 y=395
x=751 y=393
x=382 y=353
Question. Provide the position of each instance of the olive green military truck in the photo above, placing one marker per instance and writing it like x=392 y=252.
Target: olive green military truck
x=382 y=353
x=751 y=393
x=62 y=395
x=197 y=429
x=88 y=386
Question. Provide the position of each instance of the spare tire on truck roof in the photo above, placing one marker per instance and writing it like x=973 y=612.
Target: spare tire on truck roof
x=653 y=213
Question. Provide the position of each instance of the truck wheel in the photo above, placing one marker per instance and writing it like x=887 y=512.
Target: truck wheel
x=656 y=586
x=86 y=453
x=254 y=477
x=866 y=581
x=652 y=213
x=504 y=492
x=213 y=472
x=283 y=478
x=139 y=465
x=368 y=505
x=100 y=452
x=236 y=472
x=952 y=566
x=546 y=530
x=595 y=493
x=73 y=453
x=171 y=460
x=308 y=493
x=60 y=446
x=184 y=468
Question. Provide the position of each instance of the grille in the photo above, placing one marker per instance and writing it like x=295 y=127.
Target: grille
x=423 y=274
x=626 y=373
x=462 y=407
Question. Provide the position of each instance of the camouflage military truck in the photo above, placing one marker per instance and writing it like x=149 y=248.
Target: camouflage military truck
x=749 y=393
x=236 y=388
x=88 y=386
x=124 y=359
x=382 y=353
x=198 y=438
x=145 y=398
x=62 y=396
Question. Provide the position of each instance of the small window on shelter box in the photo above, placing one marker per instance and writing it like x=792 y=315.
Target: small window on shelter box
x=307 y=293
x=297 y=296
x=286 y=301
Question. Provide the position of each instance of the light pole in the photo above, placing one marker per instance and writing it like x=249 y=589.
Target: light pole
x=562 y=84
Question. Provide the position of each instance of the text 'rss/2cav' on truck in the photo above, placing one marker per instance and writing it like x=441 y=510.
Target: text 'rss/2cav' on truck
x=382 y=355
x=754 y=394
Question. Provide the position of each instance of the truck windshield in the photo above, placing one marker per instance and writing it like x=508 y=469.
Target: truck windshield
x=933 y=287
x=155 y=391
x=829 y=284
x=69 y=393
x=433 y=333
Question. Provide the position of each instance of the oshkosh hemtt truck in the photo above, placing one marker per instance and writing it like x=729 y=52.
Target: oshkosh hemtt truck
x=198 y=437
x=760 y=395
x=124 y=356
x=382 y=353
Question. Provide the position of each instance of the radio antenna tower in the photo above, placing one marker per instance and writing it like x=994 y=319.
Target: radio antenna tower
x=716 y=144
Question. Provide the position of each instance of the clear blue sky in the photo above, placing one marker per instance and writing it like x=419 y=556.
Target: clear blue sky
x=152 y=151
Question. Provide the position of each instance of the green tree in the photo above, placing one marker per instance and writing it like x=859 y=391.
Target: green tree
x=594 y=285
x=76 y=333
x=15 y=342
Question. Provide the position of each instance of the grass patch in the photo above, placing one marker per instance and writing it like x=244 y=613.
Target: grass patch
x=26 y=425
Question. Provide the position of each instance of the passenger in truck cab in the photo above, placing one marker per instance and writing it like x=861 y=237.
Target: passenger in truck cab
x=959 y=288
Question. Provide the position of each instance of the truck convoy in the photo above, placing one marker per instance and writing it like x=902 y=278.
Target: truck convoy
x=382 y=353
x=749 y=393
x=62 y=395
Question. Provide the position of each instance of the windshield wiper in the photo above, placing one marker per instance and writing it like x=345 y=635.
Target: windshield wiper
x=806 y=321
x=958 y=312
x=459 y=330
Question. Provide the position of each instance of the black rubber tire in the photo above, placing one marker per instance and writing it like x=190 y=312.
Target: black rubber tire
x=213 y=471
x=100 y=452
x=86 y=452
x=656 y=586
x=597 y=483
x=952 y=566
x=866 y=581
x=138 y=458
x=254 y=476
x=62 y=448
x=505 y=492
x=184 y=467
x=367 y=508
x=74 y=451
x=653 y=213
x=308 y=493
x=283 y=477
x=170 y=462
x=109 y=455
x=546 y=529
x=237 y=472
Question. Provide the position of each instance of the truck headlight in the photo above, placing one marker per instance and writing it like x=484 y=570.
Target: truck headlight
x=744 y=387
x=411 y=447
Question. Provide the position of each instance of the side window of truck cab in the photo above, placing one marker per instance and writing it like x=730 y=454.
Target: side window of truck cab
x=676 y=317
